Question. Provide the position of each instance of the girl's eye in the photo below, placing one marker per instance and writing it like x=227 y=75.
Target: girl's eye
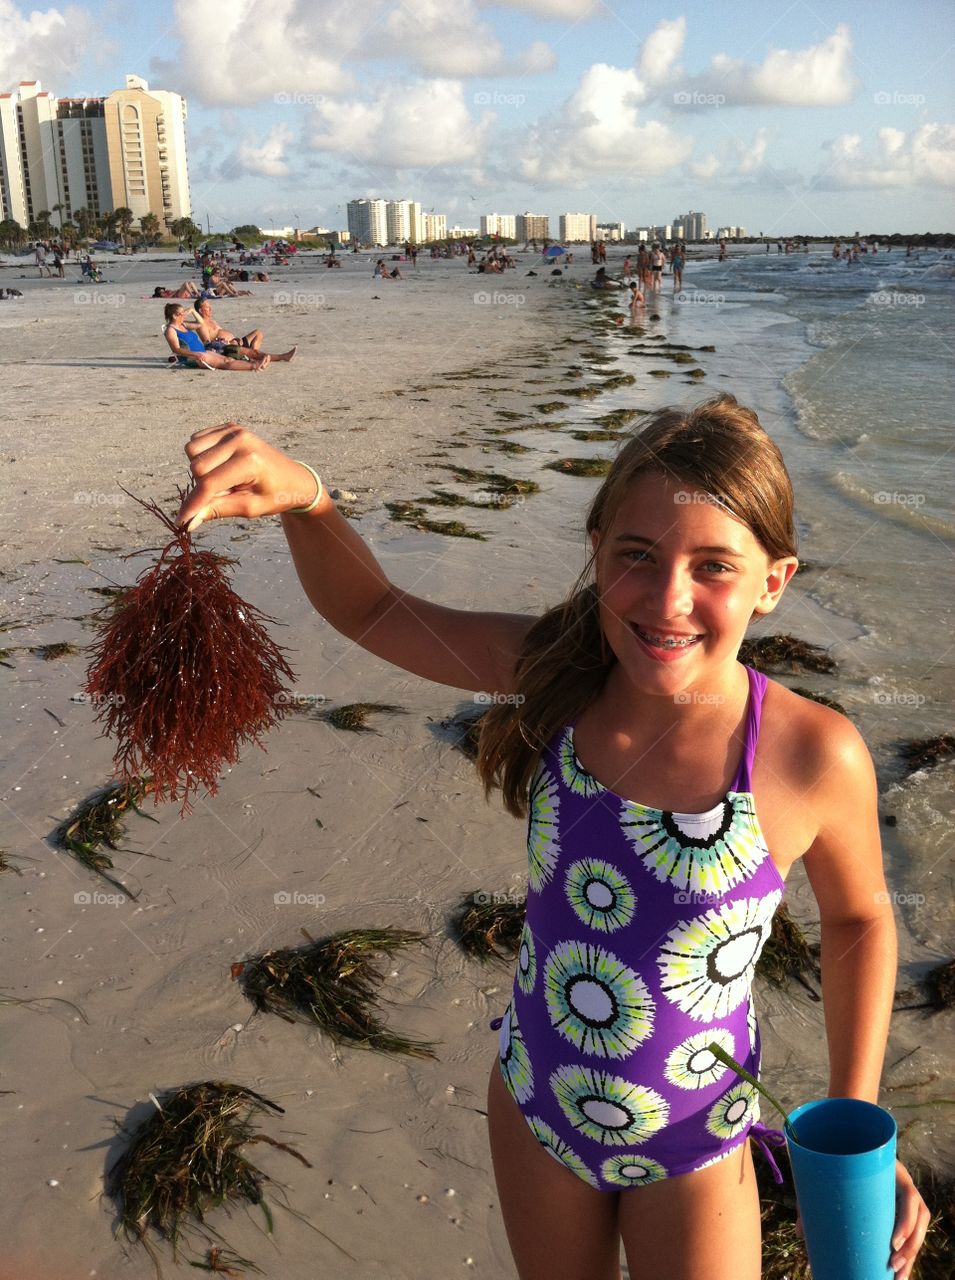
x=717 y=566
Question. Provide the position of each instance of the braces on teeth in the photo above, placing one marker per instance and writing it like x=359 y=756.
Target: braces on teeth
x=672 y=644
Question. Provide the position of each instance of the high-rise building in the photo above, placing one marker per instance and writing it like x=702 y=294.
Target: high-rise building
x=368 y=221
x=61 y=155
x=463 y=233
x=435 y=226
x=731 y=233
x=578 y=227
x=531 y=226
x=692 y=226
x=614 y=231
x=499 y=224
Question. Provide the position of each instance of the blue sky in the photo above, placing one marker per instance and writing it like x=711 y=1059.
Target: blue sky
x=783 y=119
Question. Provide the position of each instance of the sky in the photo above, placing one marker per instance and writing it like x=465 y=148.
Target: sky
x=820 y=119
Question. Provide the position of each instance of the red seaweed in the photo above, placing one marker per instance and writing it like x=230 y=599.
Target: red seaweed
x=183 y=672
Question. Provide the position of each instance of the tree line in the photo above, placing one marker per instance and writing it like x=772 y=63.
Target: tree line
x=84 y=225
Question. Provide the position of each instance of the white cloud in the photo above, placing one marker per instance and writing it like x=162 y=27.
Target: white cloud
x=296 y=51
x=737 y=158
x=819 y=76
x=423 y=124
x=569 y=9
x=661 y=49
x=266 y=159
x=925 y=157
x=598 y=131
x=41 y=46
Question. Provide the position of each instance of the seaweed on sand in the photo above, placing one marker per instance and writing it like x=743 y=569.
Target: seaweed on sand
x=467 y=728
x=332 y=984
x=551 y=406
x=183 y=672
x=581 y=466
x=412 y=514
x=59 y=649
x=493 y=480
x=783 y=652
x=617 y=380
x=618 y=417
x=488 y=926
x=594 y=435
x=940 y=985
x=787 y=955
x=582 y=393
x=352 y=715
x=784 y=1253
x=100 y=820
x=187 y=1160
x=922 y=753
x=823 y=699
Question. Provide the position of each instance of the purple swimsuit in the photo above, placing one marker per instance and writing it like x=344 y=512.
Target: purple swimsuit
x=642 y=933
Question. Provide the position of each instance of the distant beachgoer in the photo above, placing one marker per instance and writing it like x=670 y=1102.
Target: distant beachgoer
x=676 y=264
x=40 y=259
x=189 y=349
x=722 y=250
x=186 y=290
x=382 y=272
x=602 y=281
x=637 y=301
x=656 y=267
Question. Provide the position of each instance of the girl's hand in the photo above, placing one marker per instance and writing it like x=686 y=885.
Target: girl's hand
x=912 y=1216
x=237 y=474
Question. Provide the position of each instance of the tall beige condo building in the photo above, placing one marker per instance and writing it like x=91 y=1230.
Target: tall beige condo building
x=65 y=154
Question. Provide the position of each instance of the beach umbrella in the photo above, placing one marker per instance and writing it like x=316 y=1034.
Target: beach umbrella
x=554 y=251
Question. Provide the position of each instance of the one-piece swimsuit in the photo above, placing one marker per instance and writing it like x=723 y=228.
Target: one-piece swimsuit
x=641 y=937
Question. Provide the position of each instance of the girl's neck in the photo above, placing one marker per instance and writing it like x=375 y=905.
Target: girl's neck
x=626 y=709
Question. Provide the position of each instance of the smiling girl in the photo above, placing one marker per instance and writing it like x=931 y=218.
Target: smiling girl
x=669 y=790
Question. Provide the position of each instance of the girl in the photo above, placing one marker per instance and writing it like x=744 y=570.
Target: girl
x=670 y=790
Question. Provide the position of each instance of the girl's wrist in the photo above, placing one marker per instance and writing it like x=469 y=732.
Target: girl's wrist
x=320 y=489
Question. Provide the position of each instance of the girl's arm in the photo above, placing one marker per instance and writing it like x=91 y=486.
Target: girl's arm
x=844 y=866
x=237 y=474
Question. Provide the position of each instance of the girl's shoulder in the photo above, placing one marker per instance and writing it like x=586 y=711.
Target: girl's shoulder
x=813 y=741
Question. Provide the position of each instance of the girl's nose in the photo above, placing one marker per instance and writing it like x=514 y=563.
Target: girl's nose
x=675 y=593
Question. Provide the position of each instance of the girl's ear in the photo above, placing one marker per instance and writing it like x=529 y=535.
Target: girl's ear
x=594 y=539
x=780 y=572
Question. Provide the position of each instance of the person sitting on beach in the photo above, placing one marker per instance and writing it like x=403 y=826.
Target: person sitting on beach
x=218 y=287
x=602 y=281
x=186 y=290
x=637 y=300
x=382 y=272
x=188 y=348
x=216 y=338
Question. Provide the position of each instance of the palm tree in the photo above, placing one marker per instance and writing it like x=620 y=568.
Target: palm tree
x=86 y=222
x=58 y=210
x=150 y=227
x=12 y=234
x=122 y=218
x=183 y=228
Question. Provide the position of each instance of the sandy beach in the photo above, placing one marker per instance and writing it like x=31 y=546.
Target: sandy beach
x=324 y=830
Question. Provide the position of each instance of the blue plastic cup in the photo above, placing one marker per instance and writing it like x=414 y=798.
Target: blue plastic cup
x=843 y=1163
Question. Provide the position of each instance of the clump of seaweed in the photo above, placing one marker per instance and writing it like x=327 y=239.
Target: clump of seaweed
x=594 y=435
x=696 y=373
x=352 y=715
x=551 y=406
x=582 y=393
x=787 y=955
x=660 y=373
x=823 y=699
x=506 y=446
x=682 y=357
x=467 y=728
x=922 y=753
x=940 y=985
x=100 y=820
x=187 y=1160
x=783 y=652
x=50 y=652
x=618 y=417
x=183 y=671
x=412 y=514
x=488 y=925
x=617 y=380
x=332 y=984
x=935 y=1257
x=580 y=466
x=493 y=480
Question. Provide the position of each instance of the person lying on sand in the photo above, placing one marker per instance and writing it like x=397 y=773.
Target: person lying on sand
x=188 y=348
x=215 y=337
x=220 y=288
x=186 y=290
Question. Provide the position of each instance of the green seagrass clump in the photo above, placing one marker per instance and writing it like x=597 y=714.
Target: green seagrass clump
x=922 y=753
x=823 y=699
x=416 y=516
x=187 y=1160
x=788 y=955
x=352 y=715
x=101 y=820
x=785 y=653
x=332 y=984
x=488 y=926
x=581 y=466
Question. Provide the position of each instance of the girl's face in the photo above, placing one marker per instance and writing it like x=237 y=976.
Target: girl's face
x=679 y=581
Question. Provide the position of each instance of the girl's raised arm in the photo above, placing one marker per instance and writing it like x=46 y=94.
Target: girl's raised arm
x=237 y=474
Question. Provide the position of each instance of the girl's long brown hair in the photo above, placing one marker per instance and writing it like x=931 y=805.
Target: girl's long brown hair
x=720 y=448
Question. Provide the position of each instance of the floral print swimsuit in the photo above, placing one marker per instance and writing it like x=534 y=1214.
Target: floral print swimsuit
x=642 y=933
